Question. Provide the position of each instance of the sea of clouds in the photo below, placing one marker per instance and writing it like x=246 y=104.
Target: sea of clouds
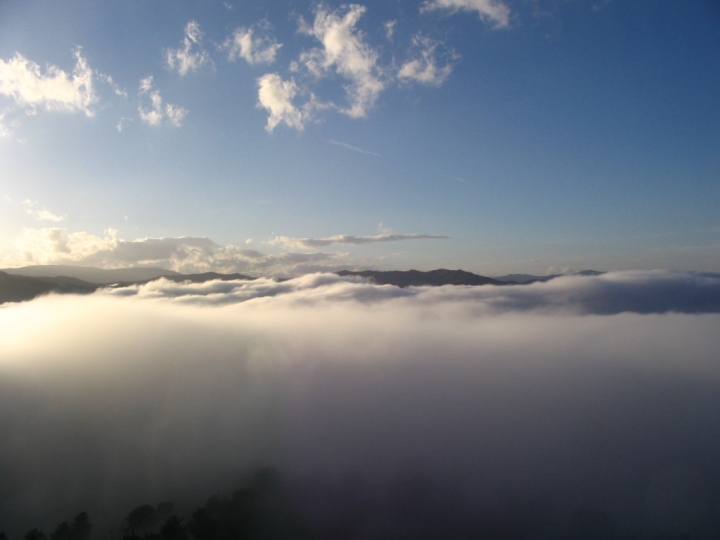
x=392 y=412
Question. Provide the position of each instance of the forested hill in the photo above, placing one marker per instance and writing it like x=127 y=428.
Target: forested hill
x=415 y=278
x=19 y=284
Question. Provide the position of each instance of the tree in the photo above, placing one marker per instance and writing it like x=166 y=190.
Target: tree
x=35 y=535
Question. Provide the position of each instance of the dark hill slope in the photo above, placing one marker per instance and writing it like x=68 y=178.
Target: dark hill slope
x=20 y=288
x=90 y=274
x=415 y=278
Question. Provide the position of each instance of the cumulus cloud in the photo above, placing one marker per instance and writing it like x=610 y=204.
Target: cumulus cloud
x=275 y=96
x=425 y=410
x=424 y=69
x=253 y=49
x=345 y=52
x=313 y=243
x=192 y=56
x=41 y=214
x=51 y=89
x=158 y=111
x=489 y=10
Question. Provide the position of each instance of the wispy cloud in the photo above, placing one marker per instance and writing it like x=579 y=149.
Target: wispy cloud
x=390 y=29
x=254 y=49
x=192 y=56
x=41 y=214
x=492 y=11
x=313 y=243
x=52 y=89
x=158 y=111
x=5 y=131
x=353 y=148
x=424 y=67
x=345 y=52
x=459 y=179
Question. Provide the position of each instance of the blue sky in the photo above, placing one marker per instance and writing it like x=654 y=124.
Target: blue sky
x=281 y=137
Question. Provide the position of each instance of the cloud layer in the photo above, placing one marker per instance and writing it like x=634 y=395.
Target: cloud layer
x=186 y=254
x=314 y=243
x=608 y=294
x=390 y=409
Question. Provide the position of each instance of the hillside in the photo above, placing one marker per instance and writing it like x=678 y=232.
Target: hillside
x=415 y=278
x=90 y=274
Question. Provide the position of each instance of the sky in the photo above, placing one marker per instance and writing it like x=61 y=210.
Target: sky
x=390 y=410
x=283 y=137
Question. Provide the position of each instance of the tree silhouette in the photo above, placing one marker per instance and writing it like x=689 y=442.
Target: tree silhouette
x=174 y=529
x=259 y=511
x=35 y=535
x=79 y=529
x=142 y=521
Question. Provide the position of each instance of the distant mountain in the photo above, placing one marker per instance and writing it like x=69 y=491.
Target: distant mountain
x=528 y=278
x=588 y=273
x=19 y=284
x=415 y=278
x=92 y=275
x=524 y=278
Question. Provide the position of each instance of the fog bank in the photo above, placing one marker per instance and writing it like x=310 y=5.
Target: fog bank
x=600 y=393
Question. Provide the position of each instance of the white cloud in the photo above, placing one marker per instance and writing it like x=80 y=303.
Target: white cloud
x=158 y=111
x=275 y=96
x=345 y=52
x=488 y=10
x=313 y=243
x=41 y=214
x=390 y=29
x=146 y=84
x=191 y=56
x=425 y=69
x=53 y=89
x=254 y=49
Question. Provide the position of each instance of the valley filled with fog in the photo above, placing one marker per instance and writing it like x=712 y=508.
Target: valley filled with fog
x=385 y=409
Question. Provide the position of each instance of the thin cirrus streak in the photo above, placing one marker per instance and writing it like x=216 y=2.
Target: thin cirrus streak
x=450 y=403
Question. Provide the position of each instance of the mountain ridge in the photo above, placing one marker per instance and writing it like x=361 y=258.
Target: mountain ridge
x=21 y=284
x=417 y=278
